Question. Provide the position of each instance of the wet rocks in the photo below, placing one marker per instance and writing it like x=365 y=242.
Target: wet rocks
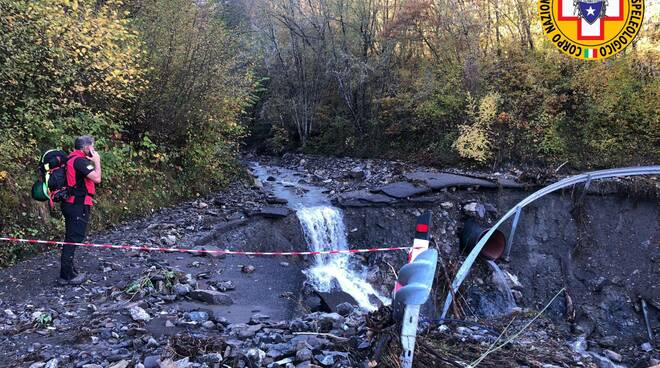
x=211 y=297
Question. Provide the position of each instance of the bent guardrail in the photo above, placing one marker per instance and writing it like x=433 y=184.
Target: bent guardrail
x=572 y=180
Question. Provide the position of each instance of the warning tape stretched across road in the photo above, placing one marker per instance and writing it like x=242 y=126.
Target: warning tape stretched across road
x=205 y=251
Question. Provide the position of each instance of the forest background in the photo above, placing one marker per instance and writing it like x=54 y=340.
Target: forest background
x=173 y=90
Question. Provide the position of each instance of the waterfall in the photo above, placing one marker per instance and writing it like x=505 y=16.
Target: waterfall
x=502 y=284
x=324 y=229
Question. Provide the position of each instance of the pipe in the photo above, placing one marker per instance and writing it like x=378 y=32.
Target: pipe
x=473 y=232
x=566 y=182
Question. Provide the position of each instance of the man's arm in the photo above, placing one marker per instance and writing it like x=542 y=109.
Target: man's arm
x=95 y=175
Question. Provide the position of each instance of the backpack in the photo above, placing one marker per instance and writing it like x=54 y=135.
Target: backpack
x=51 y=186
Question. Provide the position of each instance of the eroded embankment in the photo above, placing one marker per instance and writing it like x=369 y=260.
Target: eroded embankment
x=603 y=249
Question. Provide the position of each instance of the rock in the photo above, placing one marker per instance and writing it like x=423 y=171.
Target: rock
x=474 y=208
x=224 y=286
x=247 y=269
x=139 y=314
x=613 y=355
x=344 y=309
x=647 y=347
x=181 y=289
x=304 y=354
x=357 y=173
x=152 y=361
x=249 y=331
x=610 y=341
x=53 y=363
x=209 y=325
x=284 y=264
x=9 y=314
x=326 y=360
x=121 y=364
x=256 y=356
x=446 y=205
x=37 y=365
x=211 y=297
x=298 y=325
x=168 y=240
x=329 y=321
x=330 y=301
x=169 y=363
x=403 y=189
x=169 y=324
x=197 y=316
x=258 y=318
x=257 y=184
x=211 y=358
x=95 y=366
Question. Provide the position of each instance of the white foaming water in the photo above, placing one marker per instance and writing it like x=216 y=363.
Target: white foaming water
x=324 y=230
x=503 y=286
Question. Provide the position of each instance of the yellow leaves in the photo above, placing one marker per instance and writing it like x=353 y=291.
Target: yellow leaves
x=3 y=175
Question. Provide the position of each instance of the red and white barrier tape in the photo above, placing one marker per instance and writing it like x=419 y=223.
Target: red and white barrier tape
x=198 y=251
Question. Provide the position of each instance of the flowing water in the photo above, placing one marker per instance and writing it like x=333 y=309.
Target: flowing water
x=324 y=230
x=323 y=226
x=502 y=284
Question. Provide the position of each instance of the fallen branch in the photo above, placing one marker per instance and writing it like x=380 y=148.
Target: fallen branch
x=338 y=338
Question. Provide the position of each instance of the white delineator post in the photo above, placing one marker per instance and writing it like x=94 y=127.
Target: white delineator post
x=411 y=311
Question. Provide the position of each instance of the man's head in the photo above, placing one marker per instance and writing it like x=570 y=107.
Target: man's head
x=84 y=143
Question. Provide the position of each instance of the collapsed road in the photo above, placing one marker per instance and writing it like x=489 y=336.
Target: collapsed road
x=176 y=310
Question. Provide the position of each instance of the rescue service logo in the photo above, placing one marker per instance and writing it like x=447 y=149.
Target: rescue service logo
x=591 y=29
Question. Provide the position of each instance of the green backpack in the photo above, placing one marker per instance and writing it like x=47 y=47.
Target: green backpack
x=51 y=185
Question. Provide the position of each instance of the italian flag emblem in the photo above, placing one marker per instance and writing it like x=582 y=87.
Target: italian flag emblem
x=590 y=53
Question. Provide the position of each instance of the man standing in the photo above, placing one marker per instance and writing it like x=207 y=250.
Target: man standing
x=83 y=172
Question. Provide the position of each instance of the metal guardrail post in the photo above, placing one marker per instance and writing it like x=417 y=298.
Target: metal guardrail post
x=509 y=242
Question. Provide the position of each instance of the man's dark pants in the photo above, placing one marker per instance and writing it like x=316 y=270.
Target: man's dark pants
x=76 y=217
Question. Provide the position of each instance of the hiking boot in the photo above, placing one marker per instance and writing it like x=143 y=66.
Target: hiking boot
x=77 y=280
